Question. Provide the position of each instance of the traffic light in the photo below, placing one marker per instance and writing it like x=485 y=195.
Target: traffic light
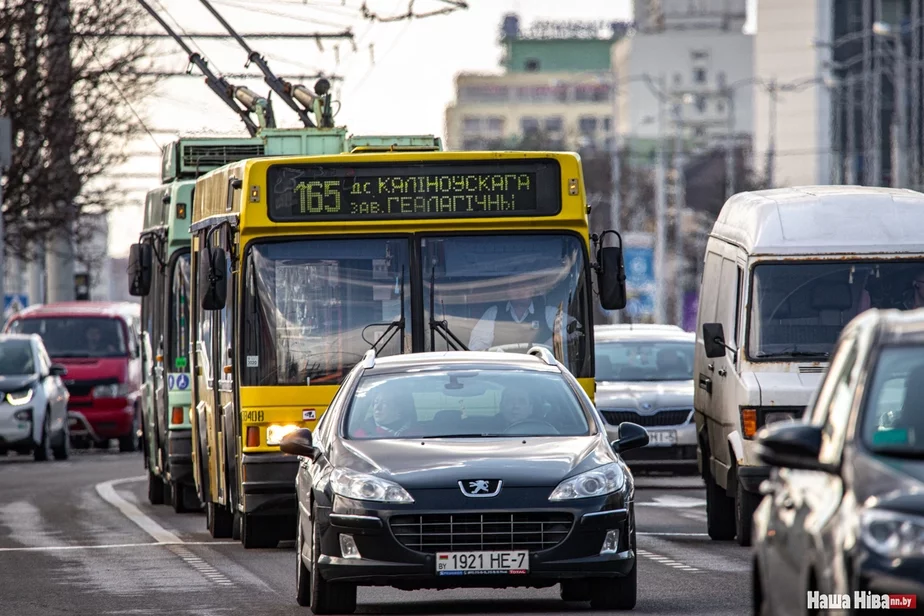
x=82 y=287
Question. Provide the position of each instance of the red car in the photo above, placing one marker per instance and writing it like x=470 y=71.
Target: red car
x=98 y=343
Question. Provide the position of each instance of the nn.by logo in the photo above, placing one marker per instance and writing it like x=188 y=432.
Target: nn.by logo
x=860 y=600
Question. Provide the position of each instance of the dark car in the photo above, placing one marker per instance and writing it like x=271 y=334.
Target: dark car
x=844 y=510
x=464 y=470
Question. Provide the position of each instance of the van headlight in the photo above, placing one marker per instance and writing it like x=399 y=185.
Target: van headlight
x=275 y=433
x=18 y=398
x=113 y=390
x=891 y=534
x=598 y=482
x=360 y=486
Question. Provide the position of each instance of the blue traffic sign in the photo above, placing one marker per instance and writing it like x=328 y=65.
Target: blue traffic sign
x=13 y=303
x=639 y=264
x=640 y=305
x=182 y=382
x=171 y=382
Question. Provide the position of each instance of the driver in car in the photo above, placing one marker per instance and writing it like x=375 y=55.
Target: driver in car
x=393 y=415
x=515 y=406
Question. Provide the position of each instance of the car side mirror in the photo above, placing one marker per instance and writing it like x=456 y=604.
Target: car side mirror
x=714 y=340
x=140 y=269
x=213 y=283
x=631 y=436
x=791 y=445
x=57 y=370
x=299 y=443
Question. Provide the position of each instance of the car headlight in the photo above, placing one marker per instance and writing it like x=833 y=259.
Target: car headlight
x=360 y=486
x=18 y=398
x=598 y=482
x=114 y=390
x=892 y=534
x=275 y=432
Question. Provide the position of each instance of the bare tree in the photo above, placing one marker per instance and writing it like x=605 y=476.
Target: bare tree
x=72 y=100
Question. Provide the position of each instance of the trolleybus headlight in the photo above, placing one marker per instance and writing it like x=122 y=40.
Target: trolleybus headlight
x=275 y=432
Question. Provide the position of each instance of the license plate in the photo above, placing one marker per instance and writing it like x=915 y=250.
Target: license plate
x=482 y=563
x=662 y=438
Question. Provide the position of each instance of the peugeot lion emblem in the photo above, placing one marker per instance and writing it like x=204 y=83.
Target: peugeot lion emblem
x=480 y=487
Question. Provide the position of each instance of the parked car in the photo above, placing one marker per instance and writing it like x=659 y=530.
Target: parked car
x=464 y=469
x=644 y=375
x=784 y=271
x=98 y=344
x=844 y=511
x=33 y=407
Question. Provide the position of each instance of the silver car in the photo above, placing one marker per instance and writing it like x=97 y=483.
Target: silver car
x=644 y=374
x=33 y=400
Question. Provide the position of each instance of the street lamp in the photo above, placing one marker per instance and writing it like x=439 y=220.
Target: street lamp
x=900 y=172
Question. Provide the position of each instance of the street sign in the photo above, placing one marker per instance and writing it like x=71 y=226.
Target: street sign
x=639 y=263
x=640 y=305
x=13 y=304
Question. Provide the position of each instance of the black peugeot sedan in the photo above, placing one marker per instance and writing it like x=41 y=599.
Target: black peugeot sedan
x=464 y=470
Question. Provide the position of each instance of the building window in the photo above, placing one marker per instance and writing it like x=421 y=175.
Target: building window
x=594 y=93
x=529 y=126
x=496 y=126
x=531 y=65
x=699 y=132
x=607 y=123
x=699 y=75
x=471 y=144
x=721 y=79
x=700 y=54
x=484 y=94
x=587 y=125
x=554 y=124
x=720 y=106
x=471 y=124
x=701 y=104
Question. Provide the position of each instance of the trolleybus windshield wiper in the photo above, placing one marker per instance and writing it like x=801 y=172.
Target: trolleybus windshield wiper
x=441 y=327
x=394 y=327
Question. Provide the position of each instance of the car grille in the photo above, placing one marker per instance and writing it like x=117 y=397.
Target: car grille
x=661 y=418
x=82 y=389
x=452 y=532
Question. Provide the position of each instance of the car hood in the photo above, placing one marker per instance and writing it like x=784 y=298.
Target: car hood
x=442 y=463
x=644 y=397
x=787 y=388
x=16 y=382
x=886 y=477
x=93 y=368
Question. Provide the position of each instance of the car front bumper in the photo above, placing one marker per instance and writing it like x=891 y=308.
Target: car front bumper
x=877 y=575
x=15 y=433
x=101 y=423
x=387 y=560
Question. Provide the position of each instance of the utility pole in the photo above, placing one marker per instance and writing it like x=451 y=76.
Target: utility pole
x=876 y=118
x=900 y=173
x=730 y=146
x=6 y=158
x=615 y=163
x=914 y=175
x=660 y=207
x=679 y=206
x=773 y=93
x=851 y=170
x=869 y=176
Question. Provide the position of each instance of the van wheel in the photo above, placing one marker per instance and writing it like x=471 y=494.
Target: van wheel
x=745 y=505
x=720 y=509
x=155 y=489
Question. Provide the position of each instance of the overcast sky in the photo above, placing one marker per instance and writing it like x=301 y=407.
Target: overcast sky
x=397 y=81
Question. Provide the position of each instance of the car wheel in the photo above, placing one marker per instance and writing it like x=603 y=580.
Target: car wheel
x=575 y=590
x=615 y=593
x=327 y=598
x=745 y=505
x=42 y=451
x=720 y=510
x=63 y=451
x=155 y=489
x=129 y=442
x=257 y=533
x=302 y=575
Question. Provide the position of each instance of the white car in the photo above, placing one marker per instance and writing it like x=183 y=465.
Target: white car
x=33 y=407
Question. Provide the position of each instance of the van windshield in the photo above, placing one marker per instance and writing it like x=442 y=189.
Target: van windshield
x=797 y=310
x=76 y=336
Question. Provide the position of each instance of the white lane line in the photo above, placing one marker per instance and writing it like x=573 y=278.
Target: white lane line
x=107 y=492
x=208 y=571
x=664 y=560
x=114 y=546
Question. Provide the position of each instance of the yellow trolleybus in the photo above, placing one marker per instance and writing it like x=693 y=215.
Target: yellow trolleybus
x=302 y=264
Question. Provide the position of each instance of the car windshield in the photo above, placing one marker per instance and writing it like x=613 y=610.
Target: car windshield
x=893 y=412
x=799 y=309
x=463 y=403
x=644 y=360
x=16 y=358
x=76 y=336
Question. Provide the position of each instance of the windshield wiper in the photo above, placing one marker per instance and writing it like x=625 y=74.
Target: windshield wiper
x=441 y=327
x=394 y=327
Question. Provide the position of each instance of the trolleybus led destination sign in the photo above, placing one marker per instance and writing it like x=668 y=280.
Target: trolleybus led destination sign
x=447 y=189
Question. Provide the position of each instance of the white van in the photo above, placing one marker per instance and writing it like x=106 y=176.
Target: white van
x=784 y=271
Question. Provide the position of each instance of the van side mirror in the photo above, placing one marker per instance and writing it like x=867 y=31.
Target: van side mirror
x=611 y=273
x=140 y=269
x=631 y=436
x=714 y=340
x=213 y=281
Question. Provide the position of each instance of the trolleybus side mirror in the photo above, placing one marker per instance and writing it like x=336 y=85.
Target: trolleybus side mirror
x=213 y=279
x=611 y=278
x=140 y=269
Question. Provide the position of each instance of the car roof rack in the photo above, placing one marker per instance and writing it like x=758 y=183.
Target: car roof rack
x=544 y=354
x=369 y=359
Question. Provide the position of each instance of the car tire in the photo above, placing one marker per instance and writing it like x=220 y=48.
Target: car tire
x=745 y=505
x=155 y=489
x=255 y=535
x=63 y=451
x=42 y=450
x=219 y=520
x=720 y=509
x=575 y=590
x=302 y=575
x=618 y=593
x=327 y=598
x=236 y=526
x=129 y=442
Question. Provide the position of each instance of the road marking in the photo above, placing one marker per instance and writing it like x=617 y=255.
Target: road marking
x=208 y=571
x=115 y=546
x=643 y=534
x=664 y=560
x=673 y=502
x=107 y=492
